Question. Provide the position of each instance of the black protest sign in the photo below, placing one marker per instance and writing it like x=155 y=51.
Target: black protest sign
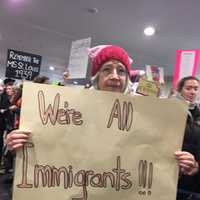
x=22 y=65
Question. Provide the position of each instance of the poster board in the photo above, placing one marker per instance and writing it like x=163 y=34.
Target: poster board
x=148 y=88
x=154 y=73
x=106 y=146
x=22 y=65
x=187 y=62
x=78 y=60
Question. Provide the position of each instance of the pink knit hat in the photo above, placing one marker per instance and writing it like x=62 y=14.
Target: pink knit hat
x=103 y=53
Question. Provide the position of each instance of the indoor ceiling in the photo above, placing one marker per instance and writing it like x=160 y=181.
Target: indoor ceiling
x=47 y=28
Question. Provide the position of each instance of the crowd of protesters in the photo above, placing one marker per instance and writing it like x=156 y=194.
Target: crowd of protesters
x=10 y=103
x=111 y=71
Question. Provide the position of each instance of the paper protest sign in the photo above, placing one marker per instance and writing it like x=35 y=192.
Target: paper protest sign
x=94 y=145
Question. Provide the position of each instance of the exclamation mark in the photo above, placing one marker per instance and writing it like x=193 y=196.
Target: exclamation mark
x=145 y=172
x=150 y=175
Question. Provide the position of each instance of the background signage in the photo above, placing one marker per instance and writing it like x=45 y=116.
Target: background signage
x=22 y=65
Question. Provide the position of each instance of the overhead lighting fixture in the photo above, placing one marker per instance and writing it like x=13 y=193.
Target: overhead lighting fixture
x=93 y=10
x=149 y=31
x=51 y=68
x=16 y=1
x=75 y=82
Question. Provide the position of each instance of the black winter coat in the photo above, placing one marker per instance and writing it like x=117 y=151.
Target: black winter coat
x=6 y=117
x=191 y=143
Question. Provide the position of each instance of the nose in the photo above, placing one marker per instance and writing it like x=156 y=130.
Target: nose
x=114 y=74
x=193 y=91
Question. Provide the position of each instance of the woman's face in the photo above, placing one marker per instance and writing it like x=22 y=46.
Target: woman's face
x=190 y=90
x=113 y=76
x=9 y=90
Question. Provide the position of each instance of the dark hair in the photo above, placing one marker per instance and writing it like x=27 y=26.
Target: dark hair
x=40 y=79
x=17 y=95
x=8 y=81
x=181 y=83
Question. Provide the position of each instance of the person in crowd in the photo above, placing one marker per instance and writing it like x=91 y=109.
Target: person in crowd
x=41 y=79
x=65 y=77
x=4 y=105
x=111 y=67
x=8 y=81
x=10 y=120
x=16 y=102
x=6 y=115
x=110 y=71
x=9 y=89
x=187 y=90
x=66 y=74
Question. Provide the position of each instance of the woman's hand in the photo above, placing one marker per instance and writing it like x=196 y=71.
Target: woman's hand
x=16 y=139
x=187 y=163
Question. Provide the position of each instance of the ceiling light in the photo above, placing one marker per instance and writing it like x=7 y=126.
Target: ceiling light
x=149 y=31
x=75 y=82
x=93 y=10
x=16 y=1
x=51 y=68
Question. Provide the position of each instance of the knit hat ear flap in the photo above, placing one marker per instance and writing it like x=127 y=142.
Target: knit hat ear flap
x=103 y=53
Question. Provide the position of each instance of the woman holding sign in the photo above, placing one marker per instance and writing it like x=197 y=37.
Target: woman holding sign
x=110 y=71
x=111 y=67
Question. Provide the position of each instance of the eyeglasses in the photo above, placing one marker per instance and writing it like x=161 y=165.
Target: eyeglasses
x=109 y=70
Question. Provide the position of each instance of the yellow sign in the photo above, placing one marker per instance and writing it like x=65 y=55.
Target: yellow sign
x=148 y=88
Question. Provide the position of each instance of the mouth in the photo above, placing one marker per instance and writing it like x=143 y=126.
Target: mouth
x=114 y=85
x=191 y=98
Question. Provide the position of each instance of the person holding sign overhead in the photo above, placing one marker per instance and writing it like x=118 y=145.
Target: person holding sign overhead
x=110 y=71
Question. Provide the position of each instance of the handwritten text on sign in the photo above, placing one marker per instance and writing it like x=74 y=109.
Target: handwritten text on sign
x=22 y=65
x=51 y=176
x=97 y=145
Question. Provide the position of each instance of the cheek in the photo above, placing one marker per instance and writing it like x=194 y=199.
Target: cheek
x=124 y=81
x=185 y=93
x=101 y=82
